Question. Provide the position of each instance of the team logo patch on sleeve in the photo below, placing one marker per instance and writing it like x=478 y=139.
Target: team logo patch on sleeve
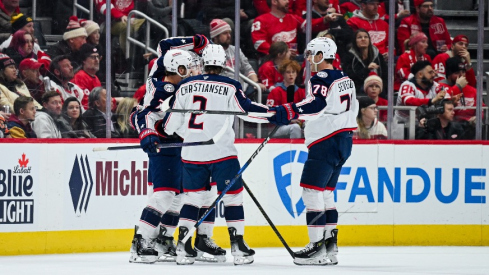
x=169 y=88
x=322 y=74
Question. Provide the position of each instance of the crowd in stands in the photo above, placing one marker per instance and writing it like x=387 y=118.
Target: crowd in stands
x=59 y=91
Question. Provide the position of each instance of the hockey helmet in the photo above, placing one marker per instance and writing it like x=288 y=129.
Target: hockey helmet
x=197 y=65
x=214 y=55
x=176 y=58
x=321 y=44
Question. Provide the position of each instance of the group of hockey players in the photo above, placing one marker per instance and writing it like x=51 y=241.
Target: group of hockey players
x=186 y=180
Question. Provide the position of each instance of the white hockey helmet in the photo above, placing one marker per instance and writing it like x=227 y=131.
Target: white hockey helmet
x=176 y=58
x=214 y=55
x=321 y=44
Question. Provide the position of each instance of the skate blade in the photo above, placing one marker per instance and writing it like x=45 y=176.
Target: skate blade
x=332 y=259
x=167 y=259
x=135 y=259
x=311 y=261
x=241 y=260
x=213 y=259
x=183 y=260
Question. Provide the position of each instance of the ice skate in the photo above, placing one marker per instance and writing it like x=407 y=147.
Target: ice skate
x=242 y=253
x=312 y=254
x=166 y=247
x=332 y=248
x=208 y=251
x=142 y=250
x=185 y=253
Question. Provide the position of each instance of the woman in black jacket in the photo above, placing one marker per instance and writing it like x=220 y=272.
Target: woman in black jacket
x=363 y=58
x=70 y=123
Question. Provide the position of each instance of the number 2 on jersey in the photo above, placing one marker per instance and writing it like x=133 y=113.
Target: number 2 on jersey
x=203 y=103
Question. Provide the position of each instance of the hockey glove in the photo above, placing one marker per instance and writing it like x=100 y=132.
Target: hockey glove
x=283 y=114
x=200 y=42
x=149 y=141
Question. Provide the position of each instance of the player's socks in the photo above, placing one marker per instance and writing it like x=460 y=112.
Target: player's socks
x=242 y=253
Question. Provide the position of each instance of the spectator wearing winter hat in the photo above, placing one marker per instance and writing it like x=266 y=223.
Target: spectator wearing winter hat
x=21 y=22
x=373 y=88
x=221 y=35
x=11 y=87
x=459 y=48
x=7 y=9
x=73 y=38
x=86 y=78
x=29 y=73
x=425 y=21
x=418 y=45
x=369 y=126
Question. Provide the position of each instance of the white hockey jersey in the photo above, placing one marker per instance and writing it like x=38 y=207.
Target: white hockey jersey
x=330 y=106
x=208 y=92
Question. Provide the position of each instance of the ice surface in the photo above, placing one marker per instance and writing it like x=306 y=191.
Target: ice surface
x=268 y=261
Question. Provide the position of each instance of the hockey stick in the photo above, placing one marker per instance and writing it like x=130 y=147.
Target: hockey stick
x=213 y=140
x=229 y=185
x=215 y=112
x=269 y=220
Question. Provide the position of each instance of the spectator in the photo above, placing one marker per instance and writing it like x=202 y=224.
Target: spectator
x=442 y=127
x=286 y=92
x=368 y=18
x=338 y=28
x=432 y=26
x=93 y=38
x=11 y=86
x=29 y=72
x=45 y=124
x=19 y=123
x=95 y=116
x=86 y=78
x=62 y=71
x=459 y=48
x=457 y=86
x=7 y=9
x=119 y=11
x=4 y=132
x=268 y=72
x=417 y=52
x=122 y=124
x=20 y=22
x=419 y=90
x=71 y=124
x=362 y=59
x=279 y=25
x=21 y=47
x=373 y=88
x=73 y=38
x=369 y=126
x=221 y=35
x=219 y=9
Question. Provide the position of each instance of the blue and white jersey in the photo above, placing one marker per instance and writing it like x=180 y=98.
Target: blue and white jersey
x=330 y=106
x=158 y=92
x=208 y=92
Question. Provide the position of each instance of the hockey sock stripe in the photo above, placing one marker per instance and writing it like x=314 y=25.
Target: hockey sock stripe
x=189 y=212
x=234 y=213
x=150 y=216
x=331 y=216
x=315 y=219
x=211 y=218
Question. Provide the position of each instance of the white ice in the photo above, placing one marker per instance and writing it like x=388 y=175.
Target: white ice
x=268 y=261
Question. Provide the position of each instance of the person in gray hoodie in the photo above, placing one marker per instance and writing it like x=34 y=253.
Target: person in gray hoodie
x=45 y=125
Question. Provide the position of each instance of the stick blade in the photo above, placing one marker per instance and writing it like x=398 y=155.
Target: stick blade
x=100 y=149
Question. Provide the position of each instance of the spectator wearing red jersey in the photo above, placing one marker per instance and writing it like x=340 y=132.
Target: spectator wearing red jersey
x=466 y=95
x=432 y=26
x=119 y=9
x=86 y=78
x=418 y=44
x=286 y=92
x=459 y=48
x=29 y=73
x=368 y=18
x=362 y=59
x=268 y=71
x=373 y=88
x=279 y=25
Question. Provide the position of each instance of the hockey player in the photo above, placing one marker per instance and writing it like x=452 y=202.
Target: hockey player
x=152 y=240
x=331 y=108
x=210 y=91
